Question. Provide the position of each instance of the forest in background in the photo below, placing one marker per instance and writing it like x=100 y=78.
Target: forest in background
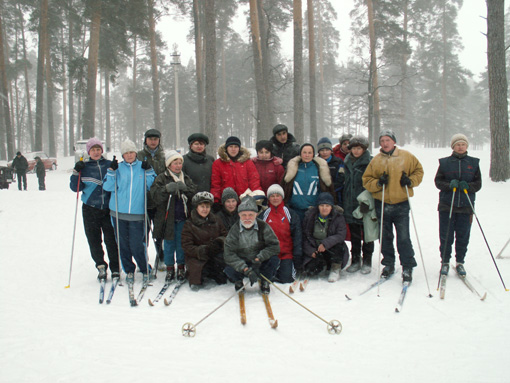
x=73 y=69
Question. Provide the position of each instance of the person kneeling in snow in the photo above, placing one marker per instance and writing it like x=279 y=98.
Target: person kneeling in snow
x=251 y=248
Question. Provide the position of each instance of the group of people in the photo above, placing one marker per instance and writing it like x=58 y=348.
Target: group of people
x=289 y=210
x=20 y=165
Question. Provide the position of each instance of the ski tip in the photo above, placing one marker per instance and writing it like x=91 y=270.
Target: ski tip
x=167 y=303
x=397 y=310
x=150 y=302
x=291 y=290
x=484 y=296
x=274 y=323
x=348 y=297
x=108 y=302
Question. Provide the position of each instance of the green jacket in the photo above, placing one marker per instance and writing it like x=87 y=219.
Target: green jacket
x=158 y=164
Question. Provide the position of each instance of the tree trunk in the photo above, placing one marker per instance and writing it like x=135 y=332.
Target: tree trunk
x=108 y=129
x=321 y=74
x=444 y=128
x=498 y=102
x=311 y=72
x=39 y=100
x=299 y=130
x=199 y=62
x=133 y=98
x=64 y=96
x=27 y=86
x=210 y=73
x=154 y=68
x=9 y=136
x=268 y=119
x=374 y=90
x=70 y=55
x=49 y=100
x=89 y=113
x=403 y=86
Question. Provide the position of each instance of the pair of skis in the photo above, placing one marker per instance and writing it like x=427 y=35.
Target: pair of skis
x=163 y=290
x=272 y=322
x=301 y=281
x=463 y=278
x=102 y=288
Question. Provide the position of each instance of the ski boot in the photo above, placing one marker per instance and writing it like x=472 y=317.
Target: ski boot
x=181 y=273
x=460 y=269
x=387 y=271
x=102 y=272
x=334 y=274
x=407 y=274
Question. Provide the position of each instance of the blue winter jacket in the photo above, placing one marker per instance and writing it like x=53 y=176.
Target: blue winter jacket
x=306 y=186
x=130 y=192
x=91 y=183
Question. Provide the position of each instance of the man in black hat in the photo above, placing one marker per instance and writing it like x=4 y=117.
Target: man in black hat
x=197 y=163
x=20 y=165
x=285 y=145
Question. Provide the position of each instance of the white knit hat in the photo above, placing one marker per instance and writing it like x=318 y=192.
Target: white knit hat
x=127 y=146
x=459 y=137
x=170 y=156
x=275 y=189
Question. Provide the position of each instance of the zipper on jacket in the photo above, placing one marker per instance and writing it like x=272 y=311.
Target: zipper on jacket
x=460 y=191
x=102 y=190
x=130 y=188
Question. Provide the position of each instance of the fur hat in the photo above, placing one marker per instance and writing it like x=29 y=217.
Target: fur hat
x=170 y=156
x=202 y=197
x=345 y=137
x=264 y=144
x=306 y=144
x=324 y=143
x=232 y=140
x=248 y=204
x=94 y=141
x=228 y=193
x=275 y=189
x=127 y=146
x=280 y=128
x=325 y=199
x=198 y=137
x=388 y=133
x=459 y=137
x=358 y=141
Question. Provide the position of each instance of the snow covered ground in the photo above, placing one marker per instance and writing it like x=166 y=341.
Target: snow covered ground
x=52 y=334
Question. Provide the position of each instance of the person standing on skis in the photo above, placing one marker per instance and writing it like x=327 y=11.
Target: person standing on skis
x=392 y=171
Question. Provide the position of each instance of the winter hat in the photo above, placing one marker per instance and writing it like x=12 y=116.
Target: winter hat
x=202 y=197
x=324 y=143
x=279 y=128
x=325 y=199
x=170 y=156
x=198 y=137
x=232 y=140
x=94 y=141
x=388 y=133
x=275 y=189
x=127 y=146
x=18 y=153
x=152 y=133
x=229 y=193
x=264 y=144
x=358 y=141
x=306 y=144
x=345 y=137
x=459 y=137
x=248 y=204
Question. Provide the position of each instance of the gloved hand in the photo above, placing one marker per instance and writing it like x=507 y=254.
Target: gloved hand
x=79 y=166
x=252 y=275
x=145 y=165
x=182 y=186
x=171 y=187
x=255 y=266
x=454 y=184
x=383 y=180
x=463 y=185
x=364 y=208
x=405 y=180
x=114 y=165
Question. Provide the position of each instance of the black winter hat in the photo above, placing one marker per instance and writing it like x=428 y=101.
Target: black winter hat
x=264 y=144
x=279 y=128
x=18 y=153
x=152 y=133
x=325 y=199
x=306 y=144
x=232 y=140
x=198 y=137
x=358 y=141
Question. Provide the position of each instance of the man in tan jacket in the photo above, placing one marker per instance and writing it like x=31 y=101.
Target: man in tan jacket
x=396 y=169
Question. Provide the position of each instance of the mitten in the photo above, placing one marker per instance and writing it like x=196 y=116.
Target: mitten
x=171 y=187
x=252 y=275
x=79 y=166
x=383 y=180
x=114 y=165
x=145 y=165
x=182 y=186
x=463 y=185
x=454 y=184
x=364 y=208
x=404 y=180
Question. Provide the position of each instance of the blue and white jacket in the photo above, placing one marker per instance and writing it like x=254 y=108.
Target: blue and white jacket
x=91 y=183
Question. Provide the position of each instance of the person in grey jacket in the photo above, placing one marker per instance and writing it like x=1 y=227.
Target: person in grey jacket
x=251 y=248
x=197 y=163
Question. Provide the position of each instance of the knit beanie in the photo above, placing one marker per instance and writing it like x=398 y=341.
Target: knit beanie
x=388 y=133
x=306 y=144
x=248 y=204
x=127 y=146
x=358 y=141
x=170 y=156
x=324 y=143
x=232 y=140
x=228 y=193
x=198 y=137
x=275 y=189
x=279 y=128
x=459 y=137
x=264 y=144
x=344 y=137
x=94 y=141
x=325 y=199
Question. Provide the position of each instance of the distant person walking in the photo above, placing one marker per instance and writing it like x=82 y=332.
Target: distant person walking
x=20 y=165
x=40 y=171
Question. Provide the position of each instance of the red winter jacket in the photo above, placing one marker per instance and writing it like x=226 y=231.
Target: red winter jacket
x=239 y=175
x=279 y=222
x=338 y=153
x=270 y=171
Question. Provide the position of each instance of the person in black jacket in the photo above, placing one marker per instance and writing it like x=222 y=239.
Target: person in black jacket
x=40 y=171
x=456 y=175
x=284 y=143
x=20 y=165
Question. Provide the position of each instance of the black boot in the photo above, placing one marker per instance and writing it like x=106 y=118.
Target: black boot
x=355 y=264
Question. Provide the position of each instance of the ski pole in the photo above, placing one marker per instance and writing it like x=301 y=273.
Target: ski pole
x=418 y=240
x=189 y=329
x=447 y=234
x=334 y=326
x=162 y=247
x=145 y=223
x=503 y=249
x=117 y=218
x=380 y=236
x=74 y=226
x=485 y=239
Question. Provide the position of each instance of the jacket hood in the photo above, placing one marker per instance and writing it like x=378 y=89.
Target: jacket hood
x=322 y=165
x=243 y=157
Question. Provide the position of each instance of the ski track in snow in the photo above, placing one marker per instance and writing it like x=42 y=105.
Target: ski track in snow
x=52 y=334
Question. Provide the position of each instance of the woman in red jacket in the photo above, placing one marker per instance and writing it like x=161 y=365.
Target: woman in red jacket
x=234 y=169
x=269 y=167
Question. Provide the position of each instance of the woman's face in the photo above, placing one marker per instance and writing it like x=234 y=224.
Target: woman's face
x=95 y=152
x=264 y=154
x=198 y=146
x=203 y=209
x=357 y=151
x=129 y=157
x=325 y=209
x=230 y=205
x=275 y=199
x=307 y=154
x=233 y=150
x=460 y=147
x=175 y=166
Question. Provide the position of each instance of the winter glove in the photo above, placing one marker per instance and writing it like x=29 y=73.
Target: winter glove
x=145 y=165
x=252 y=275
x=255 y=266
x=79 y=166
x=364 y=208
x=405 y=180
x=463 y=185
x=383 y=180
x=454 y=184
x=171 y=187
x=182 y=186
x=114 y=165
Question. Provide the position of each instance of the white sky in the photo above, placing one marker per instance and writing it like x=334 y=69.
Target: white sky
x=471 y=24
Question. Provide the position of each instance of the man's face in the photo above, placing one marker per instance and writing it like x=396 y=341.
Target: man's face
x=460 y=147
x=325 y=209
x=247 y=218
x=152 y=142
x=387 y=144
x=275 y=199
x=282 y=137
x=345 y=146
x=197 y=146
x=325 y=153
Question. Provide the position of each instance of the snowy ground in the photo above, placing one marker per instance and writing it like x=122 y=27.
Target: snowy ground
x=52 y=334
